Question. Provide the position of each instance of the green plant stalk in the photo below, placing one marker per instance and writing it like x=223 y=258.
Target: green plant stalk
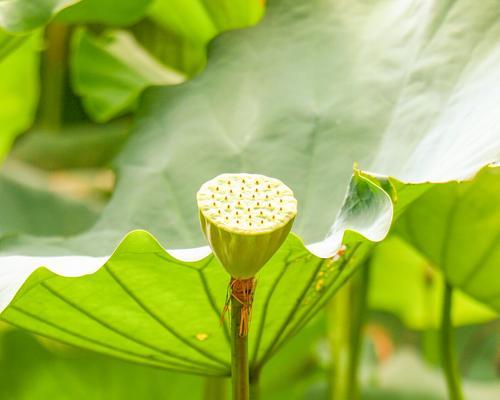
x=239 y=355
x=53 y=77
x=215 y=388
x=430 y=345
x=346 y=315
x=448 y=356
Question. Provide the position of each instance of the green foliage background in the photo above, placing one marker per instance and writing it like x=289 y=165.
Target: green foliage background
x=90 y=87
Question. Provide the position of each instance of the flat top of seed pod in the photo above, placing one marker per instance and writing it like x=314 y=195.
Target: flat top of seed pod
x=247 y=203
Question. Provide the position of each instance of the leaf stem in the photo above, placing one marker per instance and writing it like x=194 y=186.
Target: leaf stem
x=53 y=77
x=448 y=356
x=239 y=355
x=346 y=315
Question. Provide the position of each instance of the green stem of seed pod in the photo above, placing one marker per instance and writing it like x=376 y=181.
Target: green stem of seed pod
x=346 y=316
x=448 y=357
x=239 y=355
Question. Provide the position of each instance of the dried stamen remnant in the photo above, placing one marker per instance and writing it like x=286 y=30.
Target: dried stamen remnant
x=242 y=290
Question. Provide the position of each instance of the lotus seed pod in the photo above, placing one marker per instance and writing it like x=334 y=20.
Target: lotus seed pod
x=245 y=218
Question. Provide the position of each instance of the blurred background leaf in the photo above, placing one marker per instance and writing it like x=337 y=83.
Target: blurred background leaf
x=109 y=72
x=404 y=283
x=18 y=91
x=108 y=12
x=41 y=369
x=37 y=212
x=457 y=228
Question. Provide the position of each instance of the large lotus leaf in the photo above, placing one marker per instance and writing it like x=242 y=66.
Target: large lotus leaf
x=18 y=89
x=146 y=306
x=461 y=236
x=110 y=72
x=403 y=282
x=406 y=88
